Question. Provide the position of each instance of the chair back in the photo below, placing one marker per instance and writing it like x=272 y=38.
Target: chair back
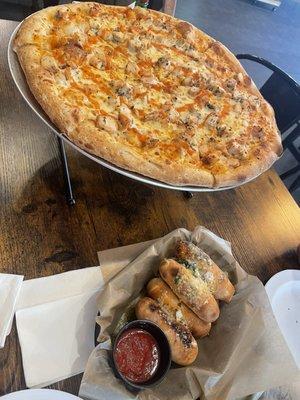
x=281 y=91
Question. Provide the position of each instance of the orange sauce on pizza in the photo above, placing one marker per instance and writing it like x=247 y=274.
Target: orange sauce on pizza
x=54 y=41
x=173 y=49
x=120 y=49
x=160 y=46
x=90 y=75
x=93 y=40
x=225 y=110
x=169 y=87
x=139 y=113
x=129 y=14
x=142 y=137
x=172 y=150
x=134 y=29
x=218 y=169
x=184 y=145
x=84 y=91
x=186 y=107
x=154 y=103
x=202 y=97
x=72 y=94
x=144 y=64
x=59 y=55
x=104 y=113
x=139 y=95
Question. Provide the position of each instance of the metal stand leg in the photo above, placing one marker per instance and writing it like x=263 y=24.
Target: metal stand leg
x=188 y=195
x=68 y=185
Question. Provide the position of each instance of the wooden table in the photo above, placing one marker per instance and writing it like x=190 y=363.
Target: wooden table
x=40 y=235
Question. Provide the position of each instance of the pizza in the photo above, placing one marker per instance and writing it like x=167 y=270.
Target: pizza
x=148 y=93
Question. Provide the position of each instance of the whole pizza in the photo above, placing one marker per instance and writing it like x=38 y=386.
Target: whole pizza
x=149 y=93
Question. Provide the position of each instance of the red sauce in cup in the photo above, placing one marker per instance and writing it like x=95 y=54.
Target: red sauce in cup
x=137 y=355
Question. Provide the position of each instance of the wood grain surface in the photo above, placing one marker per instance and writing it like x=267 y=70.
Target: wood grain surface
x=40 y=235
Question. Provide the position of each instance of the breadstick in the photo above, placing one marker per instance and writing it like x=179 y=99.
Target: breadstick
x=160 y=291
x=192 y=291
x=184 y=348
x=202 y=266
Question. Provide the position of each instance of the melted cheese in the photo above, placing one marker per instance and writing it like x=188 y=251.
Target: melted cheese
x=175 y=95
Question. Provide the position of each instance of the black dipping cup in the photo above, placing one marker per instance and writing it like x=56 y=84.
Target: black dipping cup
x=165 y=355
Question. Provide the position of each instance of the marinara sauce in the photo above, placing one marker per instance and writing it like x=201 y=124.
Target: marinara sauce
x=137 y=355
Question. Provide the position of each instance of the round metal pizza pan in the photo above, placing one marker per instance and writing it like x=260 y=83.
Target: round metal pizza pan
x=20 y=82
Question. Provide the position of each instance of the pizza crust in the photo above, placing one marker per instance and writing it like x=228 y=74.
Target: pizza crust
x=100 y=143
x=172 y=174
x=245 y=173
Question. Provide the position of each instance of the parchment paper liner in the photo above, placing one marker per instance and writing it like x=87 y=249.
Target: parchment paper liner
x=245 y=352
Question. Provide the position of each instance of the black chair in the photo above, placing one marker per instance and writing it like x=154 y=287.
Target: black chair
x=283 y=93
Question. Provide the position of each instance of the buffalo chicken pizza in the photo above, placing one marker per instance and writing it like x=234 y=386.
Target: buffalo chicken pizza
x=149 y=93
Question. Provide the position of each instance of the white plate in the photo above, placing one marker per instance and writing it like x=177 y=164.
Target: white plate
x=39 y=394
x=283 y=290
x=20 y=81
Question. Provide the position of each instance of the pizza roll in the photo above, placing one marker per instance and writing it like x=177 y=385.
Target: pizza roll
x=203 y=267
x=158 y=290
x=184 y=348
x=192 y=291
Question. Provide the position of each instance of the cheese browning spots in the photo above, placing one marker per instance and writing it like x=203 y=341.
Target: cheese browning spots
x=172 y=95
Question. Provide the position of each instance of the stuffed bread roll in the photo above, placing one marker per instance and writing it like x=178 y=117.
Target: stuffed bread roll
x=184 y=348
x=203 y=267
x=192 y=291
x=158 y=290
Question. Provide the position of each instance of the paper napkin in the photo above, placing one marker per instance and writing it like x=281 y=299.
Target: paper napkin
x=56 y=324
x=9 y=290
